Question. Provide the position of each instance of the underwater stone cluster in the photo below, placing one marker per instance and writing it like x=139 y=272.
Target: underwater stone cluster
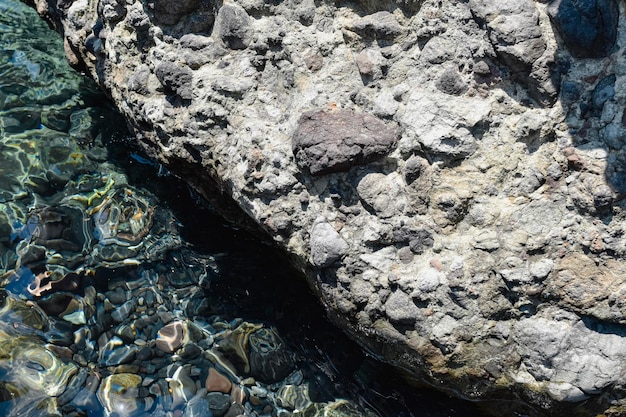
x=470 y=231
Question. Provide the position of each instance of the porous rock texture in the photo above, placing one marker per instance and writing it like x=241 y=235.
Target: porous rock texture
x=450 y=175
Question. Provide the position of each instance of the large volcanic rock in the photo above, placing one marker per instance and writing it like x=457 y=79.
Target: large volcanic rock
x=449 y=175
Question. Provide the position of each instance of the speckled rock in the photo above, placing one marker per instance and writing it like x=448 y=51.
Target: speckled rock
x=449 y=176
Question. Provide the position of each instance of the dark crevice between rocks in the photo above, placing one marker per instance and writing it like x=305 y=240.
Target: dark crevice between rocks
x=241 y=292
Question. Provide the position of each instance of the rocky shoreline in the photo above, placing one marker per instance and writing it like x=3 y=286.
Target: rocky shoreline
x=448 y=175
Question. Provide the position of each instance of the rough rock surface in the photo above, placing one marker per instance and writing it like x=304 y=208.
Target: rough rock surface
x=456 y=195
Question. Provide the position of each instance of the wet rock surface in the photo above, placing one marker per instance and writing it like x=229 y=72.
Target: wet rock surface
x=480 y=246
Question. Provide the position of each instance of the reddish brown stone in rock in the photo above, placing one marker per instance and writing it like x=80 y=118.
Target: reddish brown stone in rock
x=336 y=140
x=216 y=382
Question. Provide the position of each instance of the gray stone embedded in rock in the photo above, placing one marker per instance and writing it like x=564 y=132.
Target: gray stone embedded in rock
x=327 y=245
x=399 y=307
x=232 y=25
x=450 y=82
x=380 y=25
x=112 y=10
x=517 y=38
x=588 y=28
x=604 y=91
x=197 y=50
x=169 y=13
x=334 y=141
x=513 y=30
x=383 y=194
x=559 y=353
x=175 y=78
x=370 y=62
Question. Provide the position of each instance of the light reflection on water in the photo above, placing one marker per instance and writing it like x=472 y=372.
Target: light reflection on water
x=121 y=295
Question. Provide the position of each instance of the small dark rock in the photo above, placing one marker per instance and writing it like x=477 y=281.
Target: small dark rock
x=482 y=69
x=570 y=92
x=588 y=27
x=170 y=12
x=218 y=403
x=451 y=82
x=175 y=78
x=138 y=81
x=138 y=18
x=381 y=25
x=112 y=10
x=413 y=168
x=604 y=91
x=334 y=141
x=418 y=239
x=400 y=308
x=232 y=26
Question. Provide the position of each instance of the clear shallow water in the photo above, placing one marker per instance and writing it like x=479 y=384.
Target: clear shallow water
x=121 y=295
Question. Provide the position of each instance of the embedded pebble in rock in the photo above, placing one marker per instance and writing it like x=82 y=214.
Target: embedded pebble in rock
x=588 y=28
x=400 y=308
x=336 y=140
x=327 y=246
x=382 y=25
x=382 y=194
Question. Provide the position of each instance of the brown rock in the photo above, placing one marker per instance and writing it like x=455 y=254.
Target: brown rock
x=334 y=141
x=216 y=382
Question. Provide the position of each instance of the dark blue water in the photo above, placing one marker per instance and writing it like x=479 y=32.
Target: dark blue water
x=101 y=250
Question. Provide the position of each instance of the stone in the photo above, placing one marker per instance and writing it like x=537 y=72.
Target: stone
x=450 y=82
x=604 y=91
x=518 y=40
x=219 y=403
x=170 y=13
x=513 y=30
x=370 y=62
x=588 y=28
x=442 y=124
x=112 y=10
x=383 y=194
x=175 y=78
x=334 y=141
x=381 y=25
x=400 y=308
x=327 y=246
x=170 y=337
x=232 y=25
x=216 y=382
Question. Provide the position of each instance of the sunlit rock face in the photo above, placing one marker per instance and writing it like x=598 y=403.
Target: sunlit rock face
x=449 y=175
